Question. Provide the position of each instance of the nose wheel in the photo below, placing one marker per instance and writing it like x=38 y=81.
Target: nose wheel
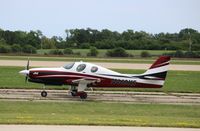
x=44 y=94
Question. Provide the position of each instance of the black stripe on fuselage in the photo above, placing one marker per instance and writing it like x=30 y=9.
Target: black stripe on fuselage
x=161 y=75
x=47 y=81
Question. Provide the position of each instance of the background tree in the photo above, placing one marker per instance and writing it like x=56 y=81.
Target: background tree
x=93 y=51
x=29 y=49
x=5 y=49
x=68 y=51
x=16 y=48
x=145 y=54
x=48 y=43
x=104 y=39
x=117 y=52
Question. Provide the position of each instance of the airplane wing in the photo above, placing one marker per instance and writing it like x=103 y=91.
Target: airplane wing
x=82 y=83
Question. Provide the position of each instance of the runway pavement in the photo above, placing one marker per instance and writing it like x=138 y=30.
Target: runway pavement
x=104 y=64
x=107 y=96
x=86 y=128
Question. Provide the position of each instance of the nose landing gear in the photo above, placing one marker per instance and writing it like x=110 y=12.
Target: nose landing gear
x=44 y=93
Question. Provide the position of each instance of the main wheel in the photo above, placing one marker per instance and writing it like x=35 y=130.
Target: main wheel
x=83 y=95
x=43 y=93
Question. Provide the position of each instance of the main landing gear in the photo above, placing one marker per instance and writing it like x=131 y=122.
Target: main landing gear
x=81 y=94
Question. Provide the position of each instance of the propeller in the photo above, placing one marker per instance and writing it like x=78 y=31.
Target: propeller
x=27 y=68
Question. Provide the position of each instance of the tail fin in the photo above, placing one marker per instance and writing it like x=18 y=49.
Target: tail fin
x=157 y=73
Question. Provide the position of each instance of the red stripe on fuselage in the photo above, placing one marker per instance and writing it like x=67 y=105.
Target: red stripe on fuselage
x=48 y=73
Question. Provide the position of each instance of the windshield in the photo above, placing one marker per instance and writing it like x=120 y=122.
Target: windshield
x=69 y=66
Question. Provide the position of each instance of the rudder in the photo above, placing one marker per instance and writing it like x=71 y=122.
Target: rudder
x=158 y=69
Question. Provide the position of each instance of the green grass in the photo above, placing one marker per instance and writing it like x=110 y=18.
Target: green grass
x=102 y=52
x=92 y=59
x=99 y=113
x=177 y=81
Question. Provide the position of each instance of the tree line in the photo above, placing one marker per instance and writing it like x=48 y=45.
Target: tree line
x=29 y=42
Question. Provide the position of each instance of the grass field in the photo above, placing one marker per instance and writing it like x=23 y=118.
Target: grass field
x=102 y=52
x=99 y=113
x=177 y=81
x=92 y=59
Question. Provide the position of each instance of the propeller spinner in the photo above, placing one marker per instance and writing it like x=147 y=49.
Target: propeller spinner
x=26 y=71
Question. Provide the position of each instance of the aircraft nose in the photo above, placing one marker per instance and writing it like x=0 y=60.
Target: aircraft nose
x=24 y=72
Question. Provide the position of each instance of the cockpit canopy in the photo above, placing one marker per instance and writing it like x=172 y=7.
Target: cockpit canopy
x=84 y=67
x=81 y=66
x=69 y=66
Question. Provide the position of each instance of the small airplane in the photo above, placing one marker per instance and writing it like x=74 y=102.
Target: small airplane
x=81 y=75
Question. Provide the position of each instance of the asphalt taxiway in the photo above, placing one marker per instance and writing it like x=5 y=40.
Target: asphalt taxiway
x=108 y=96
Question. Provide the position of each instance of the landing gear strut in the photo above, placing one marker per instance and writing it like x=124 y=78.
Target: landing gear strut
x=44 y=93
x=74 y=92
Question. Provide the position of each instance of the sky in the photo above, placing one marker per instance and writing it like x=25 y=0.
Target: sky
x=52 y=17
